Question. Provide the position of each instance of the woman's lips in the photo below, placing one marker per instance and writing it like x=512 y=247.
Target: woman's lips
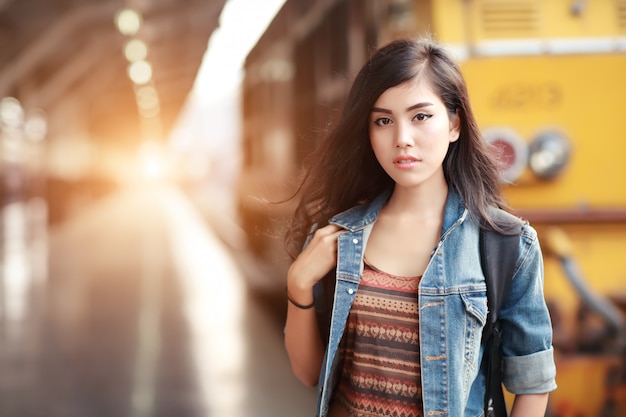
x=405 y=161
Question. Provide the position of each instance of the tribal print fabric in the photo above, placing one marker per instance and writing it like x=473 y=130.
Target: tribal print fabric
x=380 y=350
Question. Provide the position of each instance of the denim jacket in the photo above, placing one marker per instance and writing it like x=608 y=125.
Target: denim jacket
x=452 y=303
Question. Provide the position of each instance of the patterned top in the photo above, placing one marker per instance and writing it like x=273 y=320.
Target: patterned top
x=380 y=350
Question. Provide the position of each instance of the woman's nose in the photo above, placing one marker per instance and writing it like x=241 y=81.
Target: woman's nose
x=403 y=137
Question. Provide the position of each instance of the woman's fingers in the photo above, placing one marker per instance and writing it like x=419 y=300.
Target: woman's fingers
x=318 y=258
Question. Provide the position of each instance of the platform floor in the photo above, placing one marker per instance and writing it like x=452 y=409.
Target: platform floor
x=135 y=308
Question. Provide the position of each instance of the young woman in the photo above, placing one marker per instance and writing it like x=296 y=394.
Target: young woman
x=392 y=207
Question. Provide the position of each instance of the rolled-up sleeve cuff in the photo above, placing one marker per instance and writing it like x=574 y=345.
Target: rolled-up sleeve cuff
x=530 y=374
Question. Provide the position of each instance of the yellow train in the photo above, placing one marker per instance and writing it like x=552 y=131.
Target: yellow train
x=547 y=80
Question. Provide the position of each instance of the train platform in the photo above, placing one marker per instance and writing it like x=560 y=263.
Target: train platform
x=135 y=308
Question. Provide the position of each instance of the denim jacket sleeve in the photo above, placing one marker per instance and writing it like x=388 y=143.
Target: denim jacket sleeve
x=528 y=364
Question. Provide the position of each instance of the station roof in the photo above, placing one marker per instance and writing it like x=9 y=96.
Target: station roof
x=56 y=51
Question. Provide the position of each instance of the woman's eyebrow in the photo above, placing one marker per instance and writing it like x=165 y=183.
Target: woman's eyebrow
x=419 y=105
x=413 y=107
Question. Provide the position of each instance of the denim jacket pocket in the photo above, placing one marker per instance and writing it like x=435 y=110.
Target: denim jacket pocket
x=475 y=304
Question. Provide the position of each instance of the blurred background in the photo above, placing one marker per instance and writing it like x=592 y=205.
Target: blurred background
x=147 y=148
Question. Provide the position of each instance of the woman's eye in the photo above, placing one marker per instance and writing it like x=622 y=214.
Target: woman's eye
x=422 y=116
x=383 y=121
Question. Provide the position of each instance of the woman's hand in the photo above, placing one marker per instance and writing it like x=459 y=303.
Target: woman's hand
x=315 y=261
x=302 y=338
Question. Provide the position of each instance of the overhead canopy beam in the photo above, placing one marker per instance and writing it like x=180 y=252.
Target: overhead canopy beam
x=4 y=3
x=62 y=31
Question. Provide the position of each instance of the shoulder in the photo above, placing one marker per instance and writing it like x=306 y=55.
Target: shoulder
x=362 y=214
x=507 y=223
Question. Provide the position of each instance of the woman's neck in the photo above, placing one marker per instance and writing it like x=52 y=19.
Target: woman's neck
x=418 y=201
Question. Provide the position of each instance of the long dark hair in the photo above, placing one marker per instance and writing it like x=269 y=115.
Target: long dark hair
x=343 y=170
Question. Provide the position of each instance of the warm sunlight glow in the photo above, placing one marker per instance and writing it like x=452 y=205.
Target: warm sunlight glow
x=152 y=161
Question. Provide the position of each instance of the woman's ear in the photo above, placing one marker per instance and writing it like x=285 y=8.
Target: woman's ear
x=455 y=126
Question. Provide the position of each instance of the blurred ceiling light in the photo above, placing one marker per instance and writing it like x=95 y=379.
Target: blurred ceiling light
x=145 y=91
x=140 y=72
x=128 y=22
x=135 y=50
x=36 y=125
x=147 y=101
x=149 y=112
x=277 y=70
x=11 y=113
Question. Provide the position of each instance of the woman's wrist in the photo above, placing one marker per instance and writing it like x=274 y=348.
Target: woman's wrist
x=297 y=304
x=301 y=296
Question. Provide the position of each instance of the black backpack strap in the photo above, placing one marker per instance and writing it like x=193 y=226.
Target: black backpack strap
x=498 y=257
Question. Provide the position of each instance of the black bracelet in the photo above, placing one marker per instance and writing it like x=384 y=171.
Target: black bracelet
x=297 y=304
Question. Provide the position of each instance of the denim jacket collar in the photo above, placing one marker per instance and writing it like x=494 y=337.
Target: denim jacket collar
x=360 y=216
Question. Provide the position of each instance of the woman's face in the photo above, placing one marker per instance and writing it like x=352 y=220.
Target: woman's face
x=410 y=131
